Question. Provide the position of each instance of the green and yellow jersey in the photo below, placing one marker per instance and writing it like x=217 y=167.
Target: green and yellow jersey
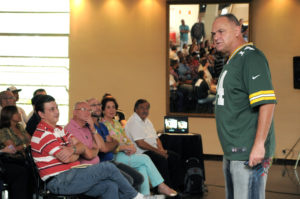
x=244 y=84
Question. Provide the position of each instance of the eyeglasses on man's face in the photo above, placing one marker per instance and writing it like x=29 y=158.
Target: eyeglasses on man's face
x=84 y=109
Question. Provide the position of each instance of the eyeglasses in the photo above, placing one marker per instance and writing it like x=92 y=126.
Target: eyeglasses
x=95 y=105
x=83 y=109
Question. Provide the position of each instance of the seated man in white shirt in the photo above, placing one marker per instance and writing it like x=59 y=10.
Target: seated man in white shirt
x=140 y=130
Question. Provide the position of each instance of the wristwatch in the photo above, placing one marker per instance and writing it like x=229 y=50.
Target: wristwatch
x=74 y=149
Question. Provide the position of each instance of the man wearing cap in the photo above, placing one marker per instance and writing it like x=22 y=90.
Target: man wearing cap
x=15 y=92
x=7 y=98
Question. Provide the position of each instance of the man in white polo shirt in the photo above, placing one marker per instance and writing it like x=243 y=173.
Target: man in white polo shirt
x=141 y=131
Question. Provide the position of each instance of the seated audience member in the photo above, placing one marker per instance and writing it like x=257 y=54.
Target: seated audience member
x=12 y=132
x=34 y=119
x=202 y=89
x=193 y=68
x=219 y=62
x=194 y=47
x=180 y=55
x=125 y=153
x=110 y=145
x=207 y=46
x=185 y=50
x=141 y=131
x=15 y=175
x=13 y=140
x=205 y=64
x=194 y=65
x=16 y=91
x=184 y=86
x=184 y=71
x=120 y=116
x=202 y=50
x=39 y=91
x=211 y=66
x=81 y=126
x=173 y=53
x=7 y=98
x=176 y=96
x=56 y=154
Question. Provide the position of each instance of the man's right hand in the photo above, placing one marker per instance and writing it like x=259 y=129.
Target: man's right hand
x=65 y=154
x=164 y=153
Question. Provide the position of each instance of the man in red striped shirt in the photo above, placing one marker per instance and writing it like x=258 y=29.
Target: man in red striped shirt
x=56 y=154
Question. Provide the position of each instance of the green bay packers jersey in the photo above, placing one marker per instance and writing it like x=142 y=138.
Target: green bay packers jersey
x=244 y=84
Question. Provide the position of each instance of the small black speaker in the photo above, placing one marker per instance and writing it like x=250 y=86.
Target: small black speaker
x=297 y=72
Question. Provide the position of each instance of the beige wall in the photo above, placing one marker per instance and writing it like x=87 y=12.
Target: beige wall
x=118 y=46
x=277 y=33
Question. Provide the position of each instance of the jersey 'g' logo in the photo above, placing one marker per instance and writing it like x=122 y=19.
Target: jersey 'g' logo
x=220 y=90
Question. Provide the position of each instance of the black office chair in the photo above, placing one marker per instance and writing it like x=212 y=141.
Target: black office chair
x=3 y=184
x=40 y=185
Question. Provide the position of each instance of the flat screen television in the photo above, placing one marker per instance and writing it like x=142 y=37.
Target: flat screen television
x=176 y=124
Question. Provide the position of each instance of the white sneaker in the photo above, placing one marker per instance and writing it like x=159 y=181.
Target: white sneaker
x=141 y=196
x=155 y=197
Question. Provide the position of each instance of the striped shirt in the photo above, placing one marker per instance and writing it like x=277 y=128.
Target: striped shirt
x=46 y=142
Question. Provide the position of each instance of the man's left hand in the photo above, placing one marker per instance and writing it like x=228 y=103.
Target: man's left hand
x=257 y=154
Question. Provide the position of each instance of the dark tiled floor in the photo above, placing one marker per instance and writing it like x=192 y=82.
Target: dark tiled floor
x=282 y=182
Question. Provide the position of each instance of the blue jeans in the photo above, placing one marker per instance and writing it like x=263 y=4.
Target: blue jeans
x=145 y=166
x=102 y=179
x=243 y=182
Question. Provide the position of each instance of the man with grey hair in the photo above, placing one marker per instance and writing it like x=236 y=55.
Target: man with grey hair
x=245 y=104
x=7 y=98
x=81 y=126
x=16 y=91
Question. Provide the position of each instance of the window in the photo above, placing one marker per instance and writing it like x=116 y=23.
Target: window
x=34 y=50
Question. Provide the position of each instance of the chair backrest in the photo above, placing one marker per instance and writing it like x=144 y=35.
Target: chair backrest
x=39 y=184
x=3 y=184
x=2 y=167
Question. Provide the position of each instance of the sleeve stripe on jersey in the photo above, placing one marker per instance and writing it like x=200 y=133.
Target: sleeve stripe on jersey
x=262 y=95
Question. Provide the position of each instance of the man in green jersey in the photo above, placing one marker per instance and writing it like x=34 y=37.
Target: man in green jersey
x=245 y=105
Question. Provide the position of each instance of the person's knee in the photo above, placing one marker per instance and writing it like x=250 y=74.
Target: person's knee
x=109 y=167
x=112 y=187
